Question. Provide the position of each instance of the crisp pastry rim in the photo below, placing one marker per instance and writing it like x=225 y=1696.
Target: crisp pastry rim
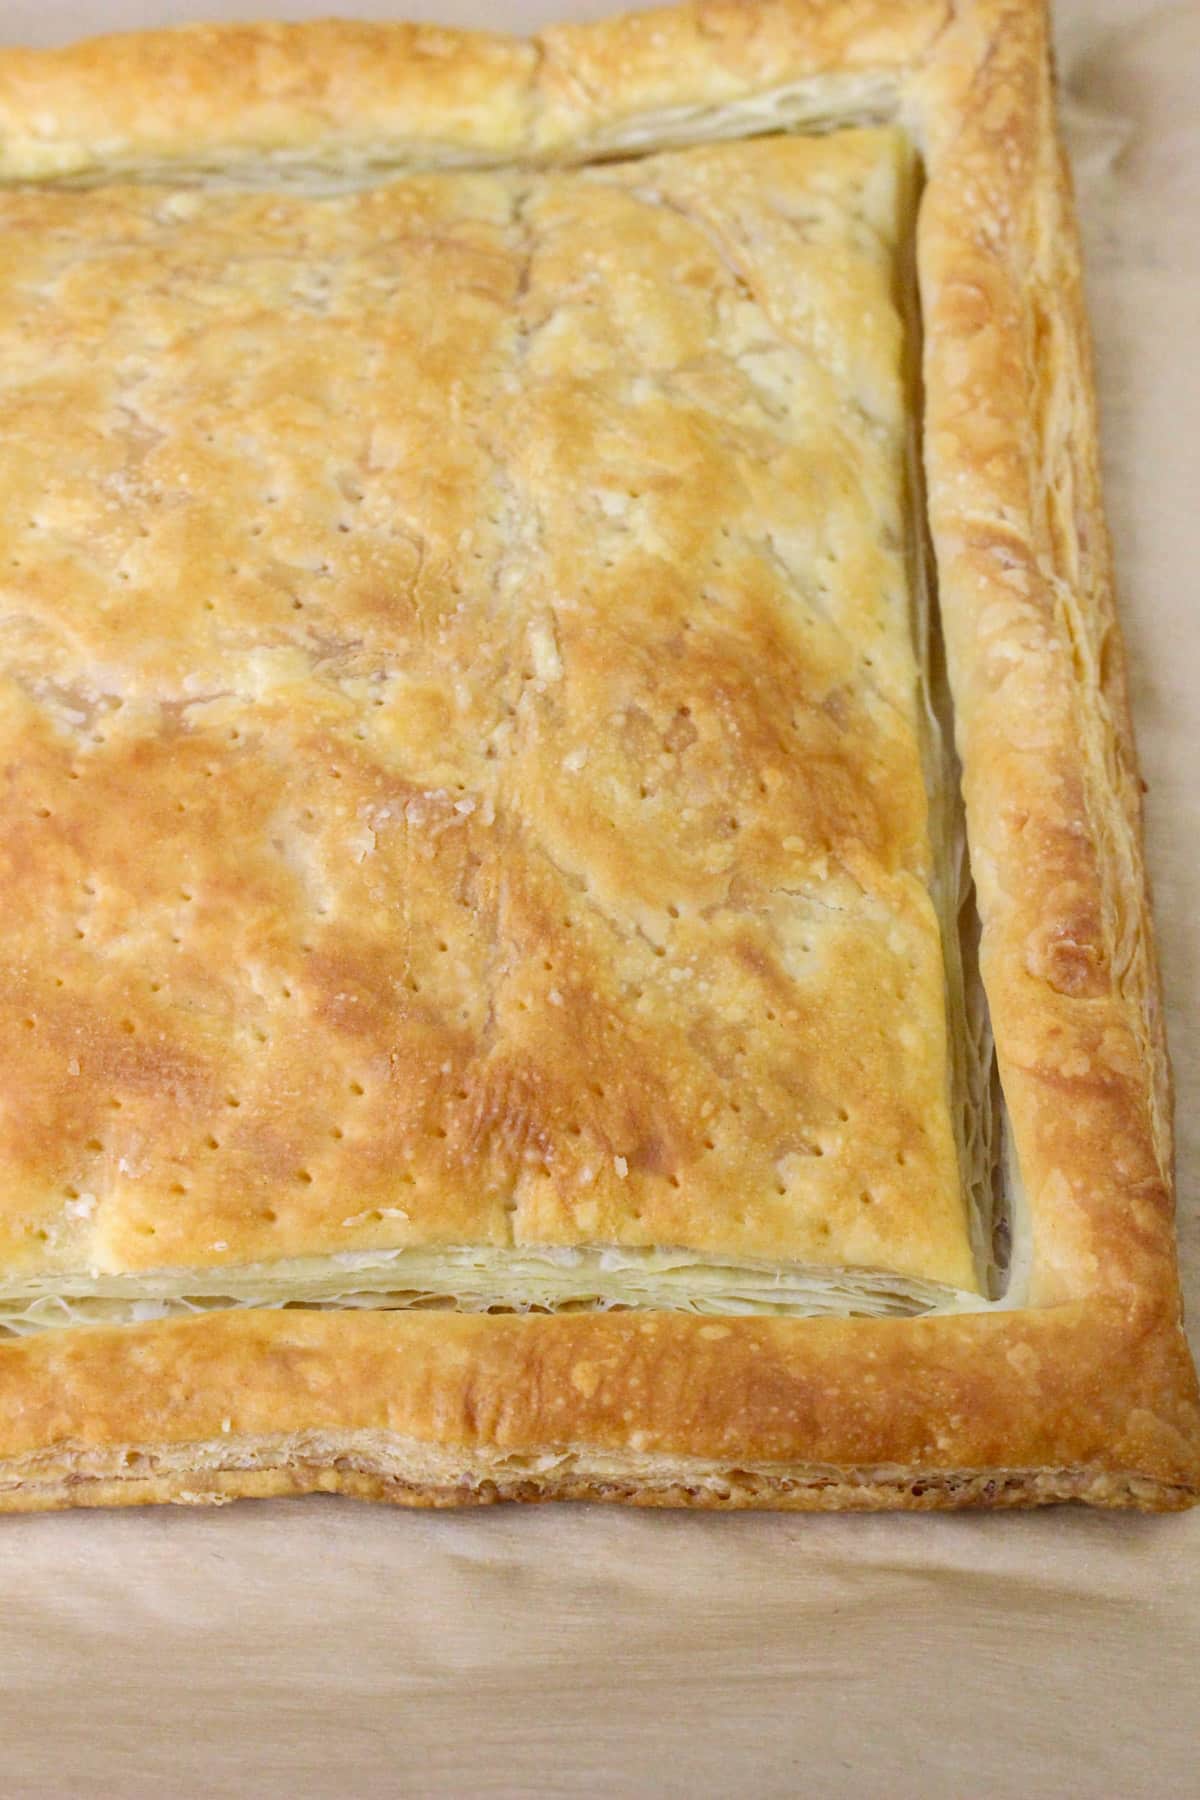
x=1088 y=1392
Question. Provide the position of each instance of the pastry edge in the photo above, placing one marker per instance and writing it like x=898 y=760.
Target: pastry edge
x=718 y=1490
x=348 y=94
x=1086 y=1401
x=1037 y=666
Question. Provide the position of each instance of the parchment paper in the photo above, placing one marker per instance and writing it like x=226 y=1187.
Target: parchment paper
x=325 y=1648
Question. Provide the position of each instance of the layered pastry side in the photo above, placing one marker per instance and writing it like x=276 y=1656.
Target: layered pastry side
x=472 y=818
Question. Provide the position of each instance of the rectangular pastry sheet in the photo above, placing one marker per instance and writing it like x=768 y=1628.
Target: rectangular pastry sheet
x=271 y=1649
x=459 y=668
x=546 y=1022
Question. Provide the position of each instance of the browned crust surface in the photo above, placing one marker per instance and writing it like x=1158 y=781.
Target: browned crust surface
x=213 y=95
x=340 y=92
x=1080 y=1401
x=1036 y=665
x=1091 y=1393
x=507 y=644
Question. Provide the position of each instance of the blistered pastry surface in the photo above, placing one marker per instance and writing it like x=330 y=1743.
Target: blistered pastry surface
x=461 y=724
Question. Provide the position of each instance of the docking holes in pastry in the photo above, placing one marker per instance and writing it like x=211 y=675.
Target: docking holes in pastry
x=639 y=725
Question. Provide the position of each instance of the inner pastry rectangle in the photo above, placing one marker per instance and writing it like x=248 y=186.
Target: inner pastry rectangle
x=467 y=819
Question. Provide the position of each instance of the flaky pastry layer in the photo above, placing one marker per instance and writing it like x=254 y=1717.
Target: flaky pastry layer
x=1087 y=1392
x=490 y=593
x=658 y=1408
x=476 y=1279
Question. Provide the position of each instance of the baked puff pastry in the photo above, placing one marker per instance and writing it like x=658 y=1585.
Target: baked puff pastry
x=573 y=917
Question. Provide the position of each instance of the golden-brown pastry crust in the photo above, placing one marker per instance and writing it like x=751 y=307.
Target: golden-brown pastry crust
x=334 y=93
x=536 y=789
x=1086 y=1393
x=1036 y=665
x=1086 y=1401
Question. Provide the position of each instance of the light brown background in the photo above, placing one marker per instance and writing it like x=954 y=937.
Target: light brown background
x=323 y=1648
